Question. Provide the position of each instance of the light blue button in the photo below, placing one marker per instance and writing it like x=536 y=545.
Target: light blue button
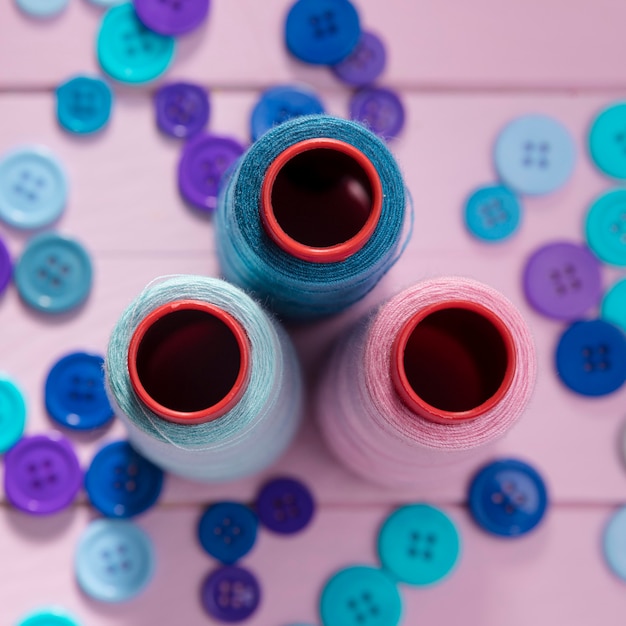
x=614 y=543
x=534 y=154
x=83 y=104
x=12 y=413
x=613 y=308
x=492 y=213
x=605 y=227
x=42 y=9
x=607 y=141
x=114 y=560
x=48 y=617
x=33 y=187
x=106 y=3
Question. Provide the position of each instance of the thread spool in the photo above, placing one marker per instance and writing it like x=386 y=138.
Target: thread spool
x=441 y=370
x=207 y=384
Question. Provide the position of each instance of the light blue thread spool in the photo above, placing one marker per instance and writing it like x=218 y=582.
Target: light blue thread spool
x=208 y=425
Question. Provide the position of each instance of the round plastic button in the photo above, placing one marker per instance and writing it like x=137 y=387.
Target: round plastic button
x=591 y=358
x=607 y=141
x=365 y=64
x=6 y=266
x=285 y=506
x=614 y=305
x=360 y=595
x=418 y=544
x=42 y=9
x=227 y=531
x=230 y=594
x=205 y=159
x=614 y=543
x=83 y=104
x=606 y=227
x=74 y=392
x=534 y=154
x=507 y=498
x=279 y=104
x=172 y=17
x=33 y=187
x=42 y=474
x=182 y=109
x=122 y=483
x=12 y=413
x=322 y=32
x=379 y=109
x=107 y=3
x=562 y=280
x=492 y=213
x=114 y=560
x=48 y=617
x=130 y=52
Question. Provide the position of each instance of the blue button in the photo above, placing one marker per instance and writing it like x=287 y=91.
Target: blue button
x=534 y=154
x=379 y=109
x=74 y=392
x=614 y=543
x=114 y=560
x=605 y=227
x=230 y=594
x=42 y=9
x=48 y=617
x=279 y=104
x=613 y=307
x=322 y=32
x=107 y=3
x=607 y=141
x=365 y=64
x=12 y=413
x=508 y=498
x=360 y=595
x=419 y=544
x=122 y=483
x=227 y=531
x=33 y=187
x=83 y=104
x=492 y=213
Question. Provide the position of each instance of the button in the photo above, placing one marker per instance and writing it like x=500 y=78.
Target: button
x=492 y=213
x=12 y=413
x=562 y=280
x=122 y=483
x=182 y=109
x=106 y=3
x=48 y=617
x=279 y=104
x=365 y=64
x=53 y=274
x=379 y=109
x=322 y=32
x=418 y=544
x=534 y=154
x=285 y=506
x=607 y=141
x=227 y=531
x=591 y=358
x=42 y=474
x=130 y=52
x=614 y=543
x=114 y=560
x=605 y=227
x=74 y=392
x=205 y=159
x=33 y=187
x=42 y=9
x=614 y=305
x=360 y=595
x=172 y=17
x=83 y=104
x=230 y=594
x=6 y=266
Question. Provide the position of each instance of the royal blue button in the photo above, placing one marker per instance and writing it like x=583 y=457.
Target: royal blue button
x=122 y=483
x=6 y=266
x=172 y=17
x=230 y=594
x=322 y=32
x=114 y=560
x=285 y=506
x=83 y=104
x=42 y=9
x=279 y=104
x=381 y=110
x=492 y=213
x=613 y=307
x=12 y=413
x=365 y=64
x=48 y=617
x=227 y=531
x=591 y=358
x=607 y=141
x=605 y=227
x=614 y=543
x=508 y=498
x=182 y=109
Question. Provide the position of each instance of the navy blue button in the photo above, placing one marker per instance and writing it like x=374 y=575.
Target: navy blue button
x=381 y=110
x=122 y=483
x=285 y=506
x=508 y=498
x=227 y=531
x=591 y=358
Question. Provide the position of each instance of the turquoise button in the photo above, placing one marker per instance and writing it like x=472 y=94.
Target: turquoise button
x=492 y=213
x=128 y=51
x=607 y=141
x=83 y=104
x=605 y=227
x=613 y=308
x=42 y=9
x=360 y=595
x=12 y=413
x=419 y=544
x=48 y=617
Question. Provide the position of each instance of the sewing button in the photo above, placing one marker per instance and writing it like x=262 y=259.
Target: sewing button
x=33 y=188
x=607 y=141
x=605 y=227
x=360 y=595
x=172 y=17
x=613 y=308
x=492 y=213
x=121 y=483
x=562 y=280
x=6 y=266
x=83 y=104
x=53 y=274
x=365 y=64
x=379 y=109
x=322 y=32
x=230 y=594
x=106 y=3
x=285 y=506
x=42 y=9
x=130 y=52
x=614 y=543
x=48 y=617
x=591 y=358
x=114 y=560
x=12 y=413
x=182 y=109
x=41 y=474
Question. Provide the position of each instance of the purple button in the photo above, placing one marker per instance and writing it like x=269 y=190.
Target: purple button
x=230 y=594
x=204 y=161
x=182 y=109
x=285 y=506
x=365 y=64
x=172 y=17
x=42 y=474
x=562 y=280
x=379 y=109
x=6 y=267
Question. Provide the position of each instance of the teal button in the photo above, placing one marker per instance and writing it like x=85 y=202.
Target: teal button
x=492 y=213
x=12 y=413
x=359 y=596
x=83 y=104
x=613 y=308
x=607 y=141
x=128 y=51
x=48 y=617
x=419 y=544
x=606 y=227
